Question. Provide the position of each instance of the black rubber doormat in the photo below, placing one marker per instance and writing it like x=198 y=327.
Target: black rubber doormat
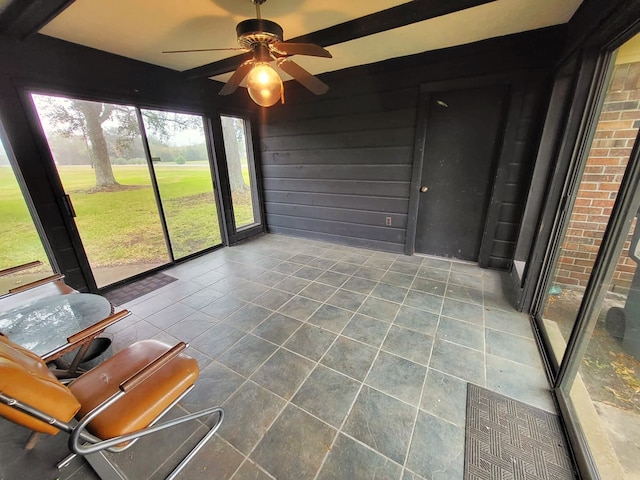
x=138 y=288
x=508 y=439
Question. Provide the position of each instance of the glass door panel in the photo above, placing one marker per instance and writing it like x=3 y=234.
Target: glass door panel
x=241 y=172
x=20 y=242
x=596 y=193
x=178 y=147
x=100 y=159
x=605 y=392
x=593 y=299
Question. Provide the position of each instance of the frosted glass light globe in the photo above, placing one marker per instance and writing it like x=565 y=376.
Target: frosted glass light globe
x=264 y=85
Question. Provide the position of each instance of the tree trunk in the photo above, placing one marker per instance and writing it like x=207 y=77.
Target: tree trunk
x=101 y=163
x=232 y=149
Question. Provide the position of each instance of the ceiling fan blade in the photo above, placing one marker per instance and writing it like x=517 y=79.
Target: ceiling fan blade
x=237 y=77
x=301 y=75
x=310 y=49
x=203 y=50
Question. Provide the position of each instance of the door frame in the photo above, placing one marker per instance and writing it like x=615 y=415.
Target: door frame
x=591 y=81
x=500 y=162
x=60 y=194
x=233 y=234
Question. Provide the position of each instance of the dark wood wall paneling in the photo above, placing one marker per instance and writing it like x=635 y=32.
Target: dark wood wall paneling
x=334 y=175
x=335 y=167
x=512 y=184
x=45 y=64
x=56 y=65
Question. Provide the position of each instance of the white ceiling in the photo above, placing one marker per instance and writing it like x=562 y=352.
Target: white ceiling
x=142 y=29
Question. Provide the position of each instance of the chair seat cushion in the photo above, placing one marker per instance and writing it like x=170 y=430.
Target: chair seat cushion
x=25 y=377
x=141 y=405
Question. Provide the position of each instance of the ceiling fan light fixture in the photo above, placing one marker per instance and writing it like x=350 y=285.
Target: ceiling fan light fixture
x=265 y=39
x=264 y=85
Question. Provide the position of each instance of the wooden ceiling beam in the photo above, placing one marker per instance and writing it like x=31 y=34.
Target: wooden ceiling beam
x=398 y=16
x=22 y=18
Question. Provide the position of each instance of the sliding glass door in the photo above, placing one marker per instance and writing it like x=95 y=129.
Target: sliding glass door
x=180 y=162
x=99 y=157
x=137 y=183
x=590 y=312
x=595 y=190
x=600 y=380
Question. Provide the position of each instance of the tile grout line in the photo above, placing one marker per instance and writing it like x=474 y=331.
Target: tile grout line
x=316 y=363
x=424 y=384
x=287 y=402
x=362 y=384
x=249 y=379
x=339 y=430
x=484 y=336
x=390 y=324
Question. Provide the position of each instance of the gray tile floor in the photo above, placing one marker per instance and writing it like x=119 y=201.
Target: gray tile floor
x=331 y=362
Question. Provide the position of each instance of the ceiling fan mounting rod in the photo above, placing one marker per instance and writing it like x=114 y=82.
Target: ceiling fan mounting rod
x=257 y=3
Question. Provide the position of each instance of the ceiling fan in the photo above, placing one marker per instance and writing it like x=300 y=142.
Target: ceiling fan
x=265 y=39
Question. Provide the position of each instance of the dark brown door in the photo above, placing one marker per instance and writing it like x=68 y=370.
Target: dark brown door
x=464 y=132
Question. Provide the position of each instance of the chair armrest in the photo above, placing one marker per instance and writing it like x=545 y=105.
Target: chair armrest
x=19 y=268
x=88 y=333
x=145 y=373
x=43 y=281
x=98 y=328
x=151 y=368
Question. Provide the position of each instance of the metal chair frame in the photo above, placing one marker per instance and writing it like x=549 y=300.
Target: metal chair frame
x=92 y=448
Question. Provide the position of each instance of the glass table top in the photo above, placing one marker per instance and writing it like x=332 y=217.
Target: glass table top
x=45 y=324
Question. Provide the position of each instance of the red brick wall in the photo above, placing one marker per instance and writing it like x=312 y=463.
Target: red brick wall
x=610 y=151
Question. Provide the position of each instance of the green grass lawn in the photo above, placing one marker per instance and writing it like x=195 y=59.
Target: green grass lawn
x=123 y=226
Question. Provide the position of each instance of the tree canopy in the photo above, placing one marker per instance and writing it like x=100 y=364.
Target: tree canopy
x=105 y=126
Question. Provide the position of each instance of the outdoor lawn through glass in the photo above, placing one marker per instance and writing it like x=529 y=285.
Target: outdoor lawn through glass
x=116 y=236
x=112 y=236
x=186 y=188
x=237 y=154
x=19 y=240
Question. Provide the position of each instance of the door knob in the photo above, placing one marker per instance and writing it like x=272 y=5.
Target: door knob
x=423 y=189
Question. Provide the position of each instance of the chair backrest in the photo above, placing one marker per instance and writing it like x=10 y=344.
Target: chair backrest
x=25 y=377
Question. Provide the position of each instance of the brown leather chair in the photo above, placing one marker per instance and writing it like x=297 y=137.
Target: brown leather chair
x=113 y=404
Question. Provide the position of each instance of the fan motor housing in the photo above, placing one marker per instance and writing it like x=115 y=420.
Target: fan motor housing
x=256 y=31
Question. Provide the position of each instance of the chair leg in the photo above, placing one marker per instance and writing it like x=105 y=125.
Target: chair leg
x=100 y=465
x=66 y=460
x=103 y=467
x=107 y=470
x=32 y=440
x=201 y=443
